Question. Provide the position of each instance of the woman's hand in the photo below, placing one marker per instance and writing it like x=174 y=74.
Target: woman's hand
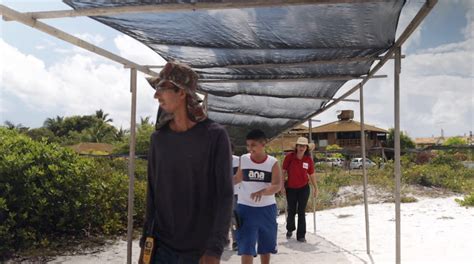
x=315 y=191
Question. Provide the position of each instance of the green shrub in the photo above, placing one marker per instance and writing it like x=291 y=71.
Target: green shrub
x=408 y=199
x=444 y=158
x=49 y=192
x=467 y=201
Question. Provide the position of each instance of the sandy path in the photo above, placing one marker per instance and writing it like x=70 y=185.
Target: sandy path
x=433 y=231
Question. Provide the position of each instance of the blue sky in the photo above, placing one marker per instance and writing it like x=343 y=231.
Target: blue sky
x=43 y=77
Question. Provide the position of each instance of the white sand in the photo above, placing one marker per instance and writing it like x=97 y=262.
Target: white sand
x=433 y=231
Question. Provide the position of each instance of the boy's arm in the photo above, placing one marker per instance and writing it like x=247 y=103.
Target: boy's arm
x=238 y=176
x=272 y=189
x=276 y=180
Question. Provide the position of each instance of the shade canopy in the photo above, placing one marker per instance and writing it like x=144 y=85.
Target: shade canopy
x=269 y=67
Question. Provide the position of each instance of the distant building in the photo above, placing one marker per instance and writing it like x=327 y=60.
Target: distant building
x=93 y=148
x=438 y=141
x=286 y=141
x=345 y=132
x=429 y=141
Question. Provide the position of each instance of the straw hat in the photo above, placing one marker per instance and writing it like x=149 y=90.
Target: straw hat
x=183 y=77
x=304 y=141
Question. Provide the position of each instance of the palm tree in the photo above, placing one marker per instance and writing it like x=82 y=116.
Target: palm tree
x=100 y=132
x=120 y=135
x=9 y=125
x=103 y=116
x=20 y=128
x=54 y=124
x=144 y=120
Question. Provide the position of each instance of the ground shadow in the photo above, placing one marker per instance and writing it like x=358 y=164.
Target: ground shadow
x=298 y=246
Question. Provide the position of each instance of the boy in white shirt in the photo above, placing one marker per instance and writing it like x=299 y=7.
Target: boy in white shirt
x=259 y=176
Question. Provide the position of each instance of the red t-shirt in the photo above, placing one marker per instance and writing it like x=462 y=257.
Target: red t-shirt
x=298 y=170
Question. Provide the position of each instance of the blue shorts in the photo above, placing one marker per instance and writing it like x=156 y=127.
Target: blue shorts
x=258 y=227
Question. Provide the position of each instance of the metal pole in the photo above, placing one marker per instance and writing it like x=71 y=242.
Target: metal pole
x=397 y=152
x=205 y=104
x=364 y=169
x=310 y=136
x=131 y=162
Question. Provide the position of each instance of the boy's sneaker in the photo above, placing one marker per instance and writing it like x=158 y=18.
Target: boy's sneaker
x=301 y=239
x=234 y=246
x=289 y=234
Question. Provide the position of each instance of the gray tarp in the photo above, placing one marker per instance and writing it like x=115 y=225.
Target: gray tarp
x=224 y=47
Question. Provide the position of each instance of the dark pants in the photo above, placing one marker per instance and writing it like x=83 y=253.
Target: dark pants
x=297 y=200
x=166 y=255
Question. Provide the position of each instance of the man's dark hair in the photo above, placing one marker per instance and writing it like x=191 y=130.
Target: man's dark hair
x=257 y=134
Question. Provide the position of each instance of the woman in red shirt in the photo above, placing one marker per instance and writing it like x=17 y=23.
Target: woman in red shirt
x=298 y=166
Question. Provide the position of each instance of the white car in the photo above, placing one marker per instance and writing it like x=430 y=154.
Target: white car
x=332 y=162
x=356 y=163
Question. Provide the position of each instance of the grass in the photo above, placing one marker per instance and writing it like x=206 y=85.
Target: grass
x=408 y=199
x=443 y=174
x=467 y=201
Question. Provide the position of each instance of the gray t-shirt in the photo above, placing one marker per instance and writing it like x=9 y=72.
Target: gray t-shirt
x=190 y=188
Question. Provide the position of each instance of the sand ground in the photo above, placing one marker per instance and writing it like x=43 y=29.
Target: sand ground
x=434 y=230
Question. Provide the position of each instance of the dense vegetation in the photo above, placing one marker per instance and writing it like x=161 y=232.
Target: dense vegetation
x=50 y=194
x=435 y=169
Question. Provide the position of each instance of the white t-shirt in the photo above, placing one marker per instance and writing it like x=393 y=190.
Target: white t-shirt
x=256 y=176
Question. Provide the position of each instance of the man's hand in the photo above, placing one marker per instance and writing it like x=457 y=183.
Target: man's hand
x=209 y=260
x=257 y=196
x=283 y=191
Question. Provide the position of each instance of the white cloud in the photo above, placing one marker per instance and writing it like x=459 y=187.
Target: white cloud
x=409 y=11
x=437 y=92
x=95 y=39
x=79 y=84
x=3 y=107
x=436 y=84
x=136 y=51
x=468 y=5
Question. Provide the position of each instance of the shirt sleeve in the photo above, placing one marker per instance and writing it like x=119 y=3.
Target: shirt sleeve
x=286 y=161
x=223 y=196
x=150 y=208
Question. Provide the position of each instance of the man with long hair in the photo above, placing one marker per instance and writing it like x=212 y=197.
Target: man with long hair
x=190 y=191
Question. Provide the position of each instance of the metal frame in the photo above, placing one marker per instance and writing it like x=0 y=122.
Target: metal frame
x=310 y=139
x=284 y=65
x=131 y=161
x=107 y=11
x=276 y=96
x=397 y=165
x=55 y=32
x=31 y=19
x=322 y=78
x=364 y=169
